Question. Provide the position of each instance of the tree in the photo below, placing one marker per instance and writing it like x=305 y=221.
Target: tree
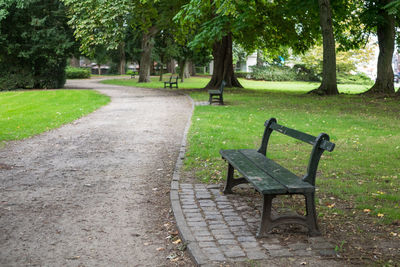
x=210 y=28
x=328 y=85
x=35 y=42
x=106 y=22
x=377 y=17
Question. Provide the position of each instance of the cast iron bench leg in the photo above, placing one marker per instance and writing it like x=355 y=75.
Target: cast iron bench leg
x=230 y=182
x=311 y=216
x=265 y=216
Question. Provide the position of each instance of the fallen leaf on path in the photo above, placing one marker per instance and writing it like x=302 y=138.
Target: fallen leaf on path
x=177 y=241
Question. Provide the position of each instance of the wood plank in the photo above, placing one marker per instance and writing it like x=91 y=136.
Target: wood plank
x=310 y=139
x=262 y=181
x=282 y=175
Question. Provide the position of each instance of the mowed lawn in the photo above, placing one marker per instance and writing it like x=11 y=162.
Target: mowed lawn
x=201 y=82
x=362 y=171
x=27 y=113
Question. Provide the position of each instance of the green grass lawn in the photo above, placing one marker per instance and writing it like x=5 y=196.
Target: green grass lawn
x=201 y=82
x=27 y=113
x=364 y=168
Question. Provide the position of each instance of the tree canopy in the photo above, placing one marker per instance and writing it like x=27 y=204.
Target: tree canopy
x=35 y=42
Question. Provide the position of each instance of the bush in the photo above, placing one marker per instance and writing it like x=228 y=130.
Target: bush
x=305 y=74
x=280 y=73
x=243 y=74
x=77 y=73
x=359 y=78
x=131 y=72
x=273 y=73
x=34 y=45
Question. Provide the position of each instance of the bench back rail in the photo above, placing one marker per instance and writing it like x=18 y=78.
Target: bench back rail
x=320 y=144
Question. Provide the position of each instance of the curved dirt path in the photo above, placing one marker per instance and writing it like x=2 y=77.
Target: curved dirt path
x=95 y=192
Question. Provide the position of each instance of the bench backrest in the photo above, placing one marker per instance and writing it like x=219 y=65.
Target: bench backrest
x=176 y=78
x=319 y=143
x=221 y=88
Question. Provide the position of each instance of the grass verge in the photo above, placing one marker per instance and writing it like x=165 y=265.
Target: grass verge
x=27 y=113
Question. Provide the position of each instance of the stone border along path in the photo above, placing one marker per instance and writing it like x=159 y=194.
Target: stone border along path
x=221 y=228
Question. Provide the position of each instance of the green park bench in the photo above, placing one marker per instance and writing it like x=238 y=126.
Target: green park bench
x=171 y=82
x=271 y=179
x=218 y=94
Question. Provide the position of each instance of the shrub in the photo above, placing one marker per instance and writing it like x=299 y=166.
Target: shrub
x=273 y=73
x=359 y=78
x=77 y=73
x=35 y=42
x=243 y=74
x=132 y=72
x=305 y=74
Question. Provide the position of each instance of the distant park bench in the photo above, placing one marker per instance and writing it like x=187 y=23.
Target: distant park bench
x=218 y=94
x=170 y=83
x=133 y=75
x=271 y=179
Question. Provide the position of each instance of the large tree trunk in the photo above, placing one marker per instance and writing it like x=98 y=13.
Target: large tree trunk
x=161 y=65
x=259 y=58
x=145 y=59
x=171 y=66
x=384 y=83
x=192 y=68
x=122 y=59
x=74 y=62
x=182 y=66
x=328 y=85
x=186 y=70
x=223 y=65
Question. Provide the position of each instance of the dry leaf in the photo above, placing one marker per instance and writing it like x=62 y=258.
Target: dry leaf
x=177 y=241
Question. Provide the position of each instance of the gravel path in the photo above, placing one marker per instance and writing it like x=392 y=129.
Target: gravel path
x=94 y=192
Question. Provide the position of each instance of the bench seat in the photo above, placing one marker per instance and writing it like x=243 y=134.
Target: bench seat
x=267 y=176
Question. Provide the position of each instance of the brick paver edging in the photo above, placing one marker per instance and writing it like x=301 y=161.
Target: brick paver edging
x=186 y=235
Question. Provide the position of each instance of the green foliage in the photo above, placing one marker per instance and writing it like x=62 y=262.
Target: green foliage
x=359 y=78
x=27 y=113
x=77 y=73
x=346 y=61
x=282 y=73
x=131 y=72
x=35 y=42
x=243 y=74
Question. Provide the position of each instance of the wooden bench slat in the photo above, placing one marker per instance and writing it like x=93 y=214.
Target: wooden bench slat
x=282 y=175
x=263 y=182
x=302 y=136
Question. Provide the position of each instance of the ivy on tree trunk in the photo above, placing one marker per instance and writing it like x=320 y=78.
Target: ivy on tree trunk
x=386 y=37
x=328 y=85
x=223 y=64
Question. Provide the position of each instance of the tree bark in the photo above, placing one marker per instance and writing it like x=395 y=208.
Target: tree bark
x=192 y=68
x=182 y=66
x=145 y=59
x=186 y=70
x=384 y=83
x=74 y=62
x=161 y=69
x=259 y=59
x=122 y=58
x=223 y=64
x=171 y=67
x=328 y=85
